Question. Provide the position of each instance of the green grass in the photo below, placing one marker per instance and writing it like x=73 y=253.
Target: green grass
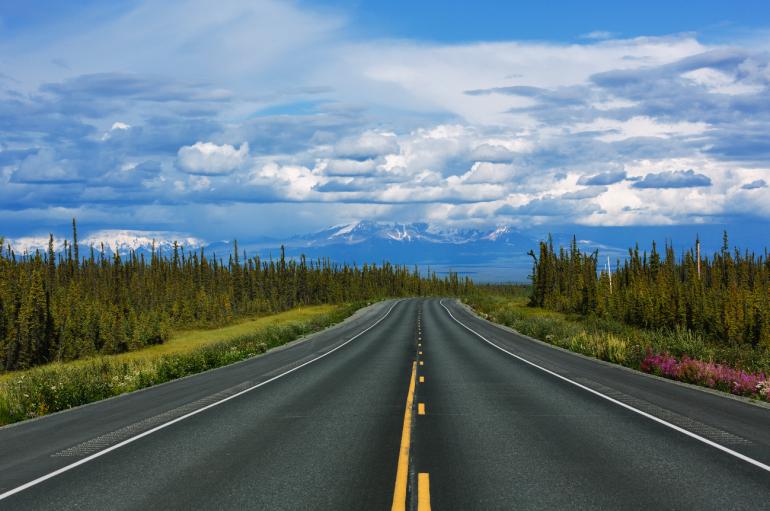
x=185 y=341
x=58 y=386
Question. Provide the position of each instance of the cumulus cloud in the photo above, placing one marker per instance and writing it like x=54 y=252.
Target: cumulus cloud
x=552 y=207
x=603 y=178
x=131 y=175
x=486 y=132
x=45 y=166
x=367 y=145
x=346 y=167
x=673 y=179
x=492 y=153
x=209 y=159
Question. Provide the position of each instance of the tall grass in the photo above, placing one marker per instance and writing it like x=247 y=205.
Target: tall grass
x=622 y=344
x=49 y=389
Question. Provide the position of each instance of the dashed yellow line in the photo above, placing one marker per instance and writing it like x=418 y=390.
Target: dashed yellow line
x=422 y=379
x=422 y=363
x=421 y=409
x=423 y=491
x=402 y=473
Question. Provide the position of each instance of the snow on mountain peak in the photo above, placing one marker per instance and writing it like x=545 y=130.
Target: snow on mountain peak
x=499 y=231
x=127 y=240
x=114 y=240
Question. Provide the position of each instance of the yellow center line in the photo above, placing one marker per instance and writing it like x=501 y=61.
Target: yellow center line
x=423 y=491
x=421 y=409
x=422 y=363
x=419 y=352
x=422 y=379
x=402 y=474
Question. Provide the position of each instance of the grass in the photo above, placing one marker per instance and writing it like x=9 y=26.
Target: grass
x=633 y=347
x=59 y=386
x=186 y=341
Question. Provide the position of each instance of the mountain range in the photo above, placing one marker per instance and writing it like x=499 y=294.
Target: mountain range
x=494 y=254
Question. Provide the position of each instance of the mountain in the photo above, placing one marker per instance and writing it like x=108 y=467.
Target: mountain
x=498 y=254
x=491 y=254
x=367 y=231
x=113 y=240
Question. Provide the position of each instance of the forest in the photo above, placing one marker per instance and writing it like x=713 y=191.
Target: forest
x=67 y=304
x=724 y=297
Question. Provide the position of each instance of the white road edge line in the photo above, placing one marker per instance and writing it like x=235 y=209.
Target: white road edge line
x=706 y=441
x=92 y=457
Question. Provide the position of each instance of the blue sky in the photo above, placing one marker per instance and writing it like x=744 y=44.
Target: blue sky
x=251 y=118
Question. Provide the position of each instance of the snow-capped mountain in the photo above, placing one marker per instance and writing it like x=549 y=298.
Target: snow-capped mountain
x=368 y=231
x=491 y=254
x=113 y=241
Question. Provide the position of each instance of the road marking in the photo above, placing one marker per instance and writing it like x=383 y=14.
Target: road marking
x=419 y=352
x=402 y=473
x=92 y=457
x=422 y=363
x=695 y=436
x=420 y=408
x=423 y=491
x=422 y=379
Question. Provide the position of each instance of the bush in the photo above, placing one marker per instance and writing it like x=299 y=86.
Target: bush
x=49 y=389
x=739 y=369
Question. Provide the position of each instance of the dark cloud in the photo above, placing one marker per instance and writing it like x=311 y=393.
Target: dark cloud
x=603 y=178
x=131 y=176
x=336 y=185
x=132 y=86
x=673 y=179
x=45 y=166
x=754 y=185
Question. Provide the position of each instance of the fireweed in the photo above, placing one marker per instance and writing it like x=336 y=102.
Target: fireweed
x=708 y=374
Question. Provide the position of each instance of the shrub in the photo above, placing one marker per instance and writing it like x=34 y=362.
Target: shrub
x=53 y=388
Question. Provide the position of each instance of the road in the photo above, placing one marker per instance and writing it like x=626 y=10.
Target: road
x=417 y=403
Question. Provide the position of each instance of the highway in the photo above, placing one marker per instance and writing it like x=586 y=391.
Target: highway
x=411 y=404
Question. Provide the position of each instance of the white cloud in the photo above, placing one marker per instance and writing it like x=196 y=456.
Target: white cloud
x=206 y=158
x=720 y=83
x=598 y=35
x=289 y=182
x=346 y=167
x=639 y=126
x=395 y=124
x=367 y=145
x=45 y=166
x=116 y=126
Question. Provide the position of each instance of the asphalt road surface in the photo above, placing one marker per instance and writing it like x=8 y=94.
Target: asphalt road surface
x=411 y=404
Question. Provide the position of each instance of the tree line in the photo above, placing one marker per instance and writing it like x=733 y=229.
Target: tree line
x=63 y=305
x=725 y=297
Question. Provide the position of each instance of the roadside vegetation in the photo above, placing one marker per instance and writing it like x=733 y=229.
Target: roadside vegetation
x=66 y=305
x=59 y=386
x=704 y=321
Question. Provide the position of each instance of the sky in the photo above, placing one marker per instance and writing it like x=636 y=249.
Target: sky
x=270 y=118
